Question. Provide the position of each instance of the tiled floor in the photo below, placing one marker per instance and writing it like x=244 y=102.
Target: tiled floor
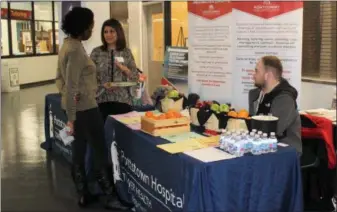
x=31 y=180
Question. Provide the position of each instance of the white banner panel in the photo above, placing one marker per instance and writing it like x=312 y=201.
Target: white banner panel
x=260 y=29
x=209 y=60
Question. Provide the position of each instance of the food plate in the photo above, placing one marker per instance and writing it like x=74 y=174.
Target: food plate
x=121 y=84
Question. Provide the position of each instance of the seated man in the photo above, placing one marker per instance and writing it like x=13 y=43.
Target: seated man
x=274 y=95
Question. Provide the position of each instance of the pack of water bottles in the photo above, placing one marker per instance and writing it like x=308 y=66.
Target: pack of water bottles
x=255 y=142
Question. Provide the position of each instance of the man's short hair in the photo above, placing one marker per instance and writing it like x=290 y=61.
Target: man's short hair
x=274 y=63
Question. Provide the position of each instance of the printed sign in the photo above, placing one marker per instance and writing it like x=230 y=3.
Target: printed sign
x=14 y=77
x=176 y=67
x=265 y=28
x=210 y=49
x=21 y=14
x=226 y=39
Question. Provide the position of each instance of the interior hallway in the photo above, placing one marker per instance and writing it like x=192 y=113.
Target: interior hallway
x=31 y=180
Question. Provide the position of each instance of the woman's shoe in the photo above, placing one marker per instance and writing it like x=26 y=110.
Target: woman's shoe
x=79 y=178
x=110 y=200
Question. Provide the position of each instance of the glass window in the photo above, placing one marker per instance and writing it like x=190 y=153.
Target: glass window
x=44 y=37
x=21 y=10
x=21 y=37
x=4 y=5
x=57 y=36
x=4 y=38
x=43 y=11
x=21 y=5
x=56 y=10
x=179 y=23
x=4 y=29
x=21 y=22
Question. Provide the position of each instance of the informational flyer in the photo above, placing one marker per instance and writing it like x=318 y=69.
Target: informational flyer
x=210 y=51
x=265 y=28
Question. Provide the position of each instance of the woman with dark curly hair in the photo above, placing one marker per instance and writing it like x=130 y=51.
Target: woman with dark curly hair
x=115 y=63
x=76 y=76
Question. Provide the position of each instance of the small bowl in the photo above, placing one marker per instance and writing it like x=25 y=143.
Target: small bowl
x=266 y=124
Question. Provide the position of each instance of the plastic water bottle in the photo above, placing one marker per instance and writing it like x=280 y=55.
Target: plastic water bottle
x=239 y=147
x=222 y=135
x=264 y=142
x=250 y=139
x=273 y=142
x=230 y=144
x=259 y=133
x=224 y=140
x=234 y=147
x=256 y=150
x=223 y=131
x=254 y=130
x=245 y=141
x=244 y=136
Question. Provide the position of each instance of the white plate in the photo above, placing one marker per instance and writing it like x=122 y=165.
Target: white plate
x=122 y=84
x=265 y=118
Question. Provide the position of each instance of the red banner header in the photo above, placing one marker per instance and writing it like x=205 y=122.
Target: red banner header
x=16 y=14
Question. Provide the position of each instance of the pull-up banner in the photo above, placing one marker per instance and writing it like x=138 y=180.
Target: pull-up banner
x=210 y=51
x=227 y=38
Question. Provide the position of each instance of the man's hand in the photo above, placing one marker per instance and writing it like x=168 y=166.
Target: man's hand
x=70 y=126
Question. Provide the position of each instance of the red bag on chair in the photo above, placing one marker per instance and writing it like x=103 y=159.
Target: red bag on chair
x=324 y=131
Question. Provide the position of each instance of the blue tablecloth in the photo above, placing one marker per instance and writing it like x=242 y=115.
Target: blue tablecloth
x=55 y=120
x=155 y=180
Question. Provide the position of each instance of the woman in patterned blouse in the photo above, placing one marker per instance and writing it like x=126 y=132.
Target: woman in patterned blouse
x=114 y=63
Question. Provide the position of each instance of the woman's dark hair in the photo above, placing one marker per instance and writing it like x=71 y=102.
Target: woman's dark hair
x=77 y=21
x=120 y=43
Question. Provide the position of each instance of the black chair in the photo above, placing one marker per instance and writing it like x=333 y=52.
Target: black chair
x=309 y=157
x=317 y=178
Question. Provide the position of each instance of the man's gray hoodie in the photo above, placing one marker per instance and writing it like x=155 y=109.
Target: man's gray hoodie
x=282 y=103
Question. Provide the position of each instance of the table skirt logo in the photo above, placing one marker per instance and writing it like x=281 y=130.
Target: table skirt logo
x=115 y=162
x=51 y=122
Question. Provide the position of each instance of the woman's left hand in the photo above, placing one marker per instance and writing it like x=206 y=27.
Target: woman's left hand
x=122 y=67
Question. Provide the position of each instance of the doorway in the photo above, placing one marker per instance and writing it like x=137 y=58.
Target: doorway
x=153 y=40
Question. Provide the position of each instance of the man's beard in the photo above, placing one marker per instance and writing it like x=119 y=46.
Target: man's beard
x=259 y=85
